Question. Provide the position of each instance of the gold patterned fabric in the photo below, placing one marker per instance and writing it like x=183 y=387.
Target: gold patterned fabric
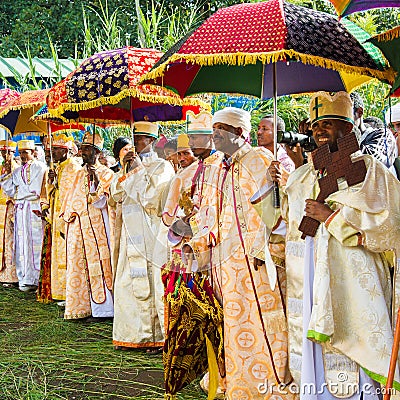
x=88 y=253
x=230 y=234
x=8 y=272
x=194 y=315
x=56 y=193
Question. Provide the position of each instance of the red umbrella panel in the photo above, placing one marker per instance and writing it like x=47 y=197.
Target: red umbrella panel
x=104 y=89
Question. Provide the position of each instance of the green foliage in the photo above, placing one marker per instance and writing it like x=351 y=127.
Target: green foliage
x=45 y=357
x=375 y=96
x=160 y=26
x=104 y=37
x=61 y=18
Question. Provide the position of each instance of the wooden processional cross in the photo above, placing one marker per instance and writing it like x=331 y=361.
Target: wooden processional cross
x=337 y=165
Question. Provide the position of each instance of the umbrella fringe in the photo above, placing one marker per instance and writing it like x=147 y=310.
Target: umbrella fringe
x=388 y=35
x=185 y=292
x=242 y=59
x=112 y=100
x=21 y=107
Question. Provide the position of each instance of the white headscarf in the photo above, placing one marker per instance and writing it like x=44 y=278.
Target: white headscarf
x=393 y=114
x=236 y=117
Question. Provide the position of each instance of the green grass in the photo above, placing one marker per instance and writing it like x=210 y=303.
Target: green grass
x=42 y=356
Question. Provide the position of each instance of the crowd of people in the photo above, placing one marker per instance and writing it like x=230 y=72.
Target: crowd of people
x=107 y=240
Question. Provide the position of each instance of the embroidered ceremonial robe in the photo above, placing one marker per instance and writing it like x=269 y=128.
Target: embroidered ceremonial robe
x=8 y=273
x=66 y=175
x=138 y=290
x=89 y=272
x=255 y=330
x=24 y=184
x=338 y=283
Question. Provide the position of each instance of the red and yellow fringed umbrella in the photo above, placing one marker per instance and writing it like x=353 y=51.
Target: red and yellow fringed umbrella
x=16 y=115
x=7 y=95
x=104 y=89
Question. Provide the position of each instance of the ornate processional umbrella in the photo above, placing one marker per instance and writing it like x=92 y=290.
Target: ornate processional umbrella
x=104 y=89
x=194 y=335
x=7 y=95
x=267 y=49
x=236 y=49
x=16 y=114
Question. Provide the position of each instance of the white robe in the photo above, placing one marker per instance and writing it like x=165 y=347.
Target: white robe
x=106 y=309
x=24 y=184
x=138 y=290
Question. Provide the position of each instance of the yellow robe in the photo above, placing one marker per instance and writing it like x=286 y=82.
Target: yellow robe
x=229 y=234
x=8 y=273
x=351 y=315
x=88 y=253
x=66 y=175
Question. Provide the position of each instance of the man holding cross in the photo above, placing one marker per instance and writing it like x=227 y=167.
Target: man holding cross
x=338 y=282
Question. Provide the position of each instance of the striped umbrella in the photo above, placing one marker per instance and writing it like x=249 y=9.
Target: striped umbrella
x=389 y=43
x=347 y=7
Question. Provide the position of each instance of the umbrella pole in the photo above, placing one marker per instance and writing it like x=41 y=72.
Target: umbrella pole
x=93 y=152
x=127 y=166
x=7 y=151
x=50 y=145
x=276 y=198
x=393 y=359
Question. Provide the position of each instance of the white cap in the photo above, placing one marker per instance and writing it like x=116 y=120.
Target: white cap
x=236 y=117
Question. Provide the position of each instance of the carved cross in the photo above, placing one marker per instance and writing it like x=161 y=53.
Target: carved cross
x=337 y=165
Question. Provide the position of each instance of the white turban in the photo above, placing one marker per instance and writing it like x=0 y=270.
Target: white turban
x=393 y=114
x=236 y=117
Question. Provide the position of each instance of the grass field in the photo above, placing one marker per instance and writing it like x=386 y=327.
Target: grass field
x=42 y=356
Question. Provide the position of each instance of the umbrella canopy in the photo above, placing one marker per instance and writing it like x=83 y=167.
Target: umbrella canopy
x=346 y=7
x=6 y=96
x=194 y=314
x=389 y=43
x=235 y=50
x=16 y=115
x=104 y=88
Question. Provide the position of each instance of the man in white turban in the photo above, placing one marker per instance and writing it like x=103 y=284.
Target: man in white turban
x=230 y=242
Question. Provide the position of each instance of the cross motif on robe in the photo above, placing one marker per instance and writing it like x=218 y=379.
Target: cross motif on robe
x=337 y=165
